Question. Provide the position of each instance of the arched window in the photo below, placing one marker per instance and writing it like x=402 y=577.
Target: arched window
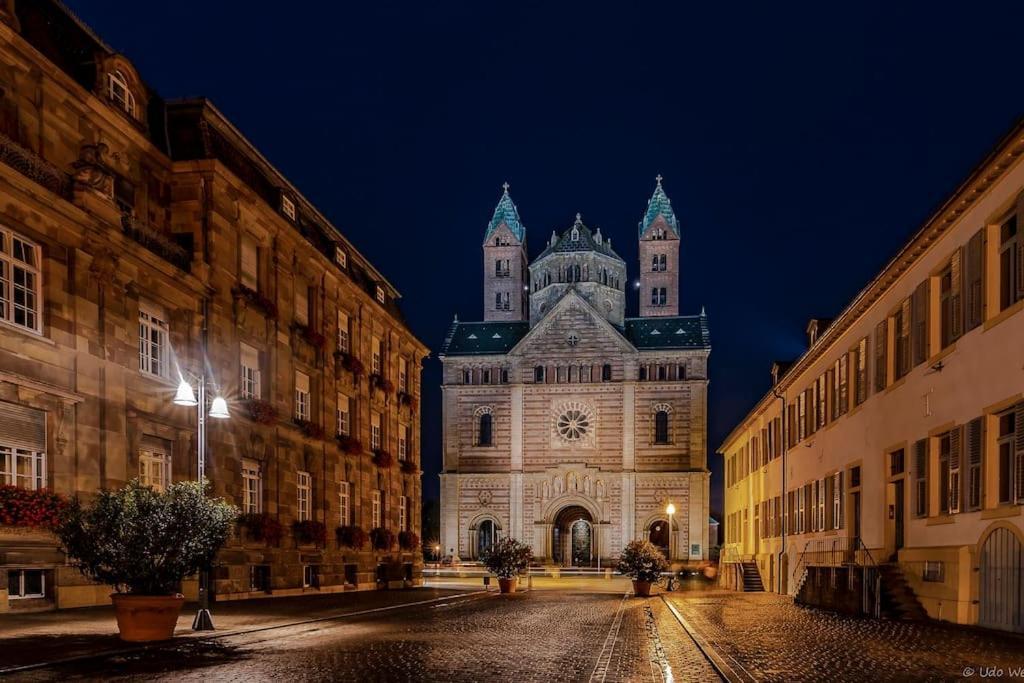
x=576 y=273
x=662 y=433
x=117 y=89
x=663 y=262
x=485 y=538
x=606 y=373
x=643 y=373
x=662 y=296
x=654 y=262
x=484 y=432
x=662 y=373
x=538 y=373
x=654 y=296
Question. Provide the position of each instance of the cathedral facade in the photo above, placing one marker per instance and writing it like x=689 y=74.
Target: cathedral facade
x=567 y=424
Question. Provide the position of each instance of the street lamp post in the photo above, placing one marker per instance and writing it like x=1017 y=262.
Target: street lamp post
x=185 y=396
x=670 y=510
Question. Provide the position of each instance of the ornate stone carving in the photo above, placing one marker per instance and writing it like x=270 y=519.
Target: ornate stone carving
x=484 y=497
x=91 y=171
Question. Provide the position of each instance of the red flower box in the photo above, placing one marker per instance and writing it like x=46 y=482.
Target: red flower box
x=255 y=299
x=349 y=444
x=261 y=527
x=351 y=537
x=262 y=412
x=39 y=509
x=408 y=540
x=382 y=539
x=311 y=336
x=378 y=381
x=309 y=532
x=349 y=362
x=382 y=459
x=409 y=467
x=310 y=429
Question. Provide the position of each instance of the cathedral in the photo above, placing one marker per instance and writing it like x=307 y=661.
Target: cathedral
x=568 y=425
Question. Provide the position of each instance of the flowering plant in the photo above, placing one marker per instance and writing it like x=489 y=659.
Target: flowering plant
x=349 y=362
x=144 y=541
x=309 y=531
x=40 y=509
x=642 y=561
x=351 y=536
x=309 y=428
x=382 y=458
x=262 y=412
x=382 y=538
x=262 y=527
x=254 y=298
x=409 y=467
x=381 y=382
x=507 y=558
x=349 y=444
x=408 y=540
x=311 y=336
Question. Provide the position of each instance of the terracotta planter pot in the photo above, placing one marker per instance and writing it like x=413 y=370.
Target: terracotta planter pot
x=642 y=589
x=507 y=585
x=142 y=618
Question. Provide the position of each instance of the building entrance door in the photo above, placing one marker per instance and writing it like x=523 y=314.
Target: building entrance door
x=572 y=537
x=1001 y=582
x=895 y=517
x=582 y=537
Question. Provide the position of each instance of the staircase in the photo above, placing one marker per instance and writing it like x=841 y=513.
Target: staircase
x=751 y=578
x=898 y=600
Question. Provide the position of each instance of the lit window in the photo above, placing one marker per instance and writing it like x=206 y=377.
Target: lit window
x=403 y=375
x=252 y=487
x=250 y=364
x=152 y=341
x=403 y=442
x=403 y=513
x=288 y=207
x=303 y=495
x=380 y=294
x=344 y=415
x=119 y=93
x=22 y=467
x=26 y=583
x=1011 y=263
x=343 y=332
x=340 y=257
x=310 y=576
x=375 y=356
x=375 y=433
x=302 y=398
x=20 y=293
x=249 y=264
x=155 y=463
x=344 y=502
x=376 y=508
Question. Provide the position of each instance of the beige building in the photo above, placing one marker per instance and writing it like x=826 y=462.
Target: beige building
x=135 y=233
x=566 y=424
x=894 y=446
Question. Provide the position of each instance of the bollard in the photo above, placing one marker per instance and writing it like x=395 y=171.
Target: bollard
x=608 y=574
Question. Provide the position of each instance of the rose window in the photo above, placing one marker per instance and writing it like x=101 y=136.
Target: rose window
x=574 y=421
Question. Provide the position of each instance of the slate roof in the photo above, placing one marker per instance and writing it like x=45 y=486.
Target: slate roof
x=659 y=205
x=677 y=332
x=507 y=213
x=483 y=338
x=586 y=242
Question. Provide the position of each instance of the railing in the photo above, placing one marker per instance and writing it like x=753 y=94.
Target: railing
x=844 y=552
x=730 y=553
x=34 y=167
x=156 y=241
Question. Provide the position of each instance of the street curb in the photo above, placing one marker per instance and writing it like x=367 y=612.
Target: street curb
x=174 y=642
x=725 y=671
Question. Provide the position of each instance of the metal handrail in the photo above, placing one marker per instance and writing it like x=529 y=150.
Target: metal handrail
x=836 y=551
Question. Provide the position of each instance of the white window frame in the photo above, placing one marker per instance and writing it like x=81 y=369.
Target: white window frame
x=252 y=487
x=344 y=341
x=119 y=92
x=376 y=356
x=153 y=336
x=13 y=270
x=288 y=207
x=154 y=468
x=375 y=509
x=375 y=430
x=251 y=379
x=403 y=375
x=403 y=521
x=303 y=496
x=302 y=396
x=403 y=442
x=9 y=467
x=380 y=294
x=344 y=415
x=344 y=503
x=21 y=582
x=340 y=257
x=837 y=501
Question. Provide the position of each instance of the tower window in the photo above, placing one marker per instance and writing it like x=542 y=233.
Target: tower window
x=606 y=373
x=538 y=373
x=484 y=433
x=663 y=262
x=661 y=427
x=119 y=93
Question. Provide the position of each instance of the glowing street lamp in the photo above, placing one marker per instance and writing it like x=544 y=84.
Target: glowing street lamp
x=670 y=510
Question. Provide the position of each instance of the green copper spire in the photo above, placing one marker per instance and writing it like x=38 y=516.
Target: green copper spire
x=507 y=213
x=659 y=205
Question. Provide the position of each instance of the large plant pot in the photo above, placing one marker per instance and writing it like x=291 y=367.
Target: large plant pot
x=641 y=589
x=507 y=585
x=143 y=618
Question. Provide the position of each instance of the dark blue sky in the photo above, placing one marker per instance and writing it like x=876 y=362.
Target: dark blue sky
x=800 y=145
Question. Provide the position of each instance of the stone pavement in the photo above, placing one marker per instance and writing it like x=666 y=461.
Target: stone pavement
x=765 y=637
x=542 y=636
x=46 y=636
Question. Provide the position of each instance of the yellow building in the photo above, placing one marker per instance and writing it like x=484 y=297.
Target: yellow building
x=884 y=470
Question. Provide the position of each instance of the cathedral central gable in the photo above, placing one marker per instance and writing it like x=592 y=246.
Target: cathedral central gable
x=572 y=329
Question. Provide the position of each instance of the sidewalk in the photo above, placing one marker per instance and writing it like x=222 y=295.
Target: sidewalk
x=40 y=637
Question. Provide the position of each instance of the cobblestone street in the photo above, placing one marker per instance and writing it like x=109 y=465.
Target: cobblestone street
x=765 y=637
x=539 y=636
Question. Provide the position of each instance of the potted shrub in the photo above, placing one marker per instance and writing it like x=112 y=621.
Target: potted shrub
x=143 y=543
x=408 y=540
x=382 y=539
x=351 y=536
x=644 y=563
x=506 y=559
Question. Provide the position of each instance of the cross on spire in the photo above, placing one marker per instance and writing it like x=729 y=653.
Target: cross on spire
x=658 y=178
x=579 y=218
x=504 y=186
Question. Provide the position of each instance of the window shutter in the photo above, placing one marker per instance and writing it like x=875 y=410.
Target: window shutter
x=974 y=274
x=1020 y=266
x=881 y=356
x=1019 y=440
x=974 y=446
x=921 y=477
x=956 y=324
x=903 y=333
x=302 y=382
x=22 y=427
x=955 y=446
x=919 y=324
x=155 y=444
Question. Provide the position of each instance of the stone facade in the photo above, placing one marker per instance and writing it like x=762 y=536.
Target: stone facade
x=155 y=231
x=573 y=430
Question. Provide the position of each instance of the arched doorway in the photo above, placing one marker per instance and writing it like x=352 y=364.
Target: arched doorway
x=486 y=535
x=572 y=542
x=1001 y=582
x=658 y=535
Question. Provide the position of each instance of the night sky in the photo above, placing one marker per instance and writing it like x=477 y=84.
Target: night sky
x=800 y=146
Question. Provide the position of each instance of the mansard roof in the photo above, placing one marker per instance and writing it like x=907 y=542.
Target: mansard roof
x=586 y=241
x=676 y=332
x=507 y=213
x=659 y=205
x=483 y=338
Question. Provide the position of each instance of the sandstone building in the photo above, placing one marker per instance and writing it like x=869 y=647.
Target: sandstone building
x=893 y=448
x=567 y=424
x=137 y=232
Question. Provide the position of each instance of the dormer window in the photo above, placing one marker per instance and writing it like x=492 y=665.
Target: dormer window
x=380 y=294
x=340 y=257
x=575 y=235
x=288 y=207
x=119 y=93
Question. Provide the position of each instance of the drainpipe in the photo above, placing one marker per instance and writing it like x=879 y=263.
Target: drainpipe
x=784 y=447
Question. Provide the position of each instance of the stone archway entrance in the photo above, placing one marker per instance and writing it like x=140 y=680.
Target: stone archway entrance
x=658 y=535
x=572 y=542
